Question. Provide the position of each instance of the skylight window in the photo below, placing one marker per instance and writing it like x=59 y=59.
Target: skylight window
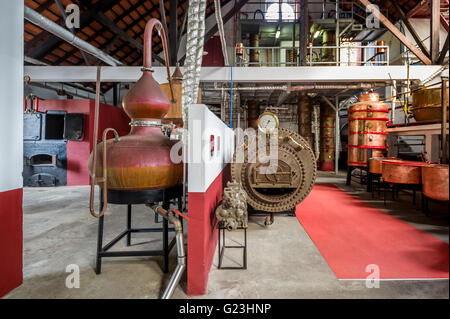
x=273 y=12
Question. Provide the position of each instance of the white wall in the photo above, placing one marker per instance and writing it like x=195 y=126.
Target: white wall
x=11 y=94
x=422 y=28
x=203 y=168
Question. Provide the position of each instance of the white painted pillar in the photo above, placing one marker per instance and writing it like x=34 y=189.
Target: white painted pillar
x=11 y=94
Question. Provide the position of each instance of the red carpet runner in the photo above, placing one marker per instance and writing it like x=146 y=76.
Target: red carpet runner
x=352 y=234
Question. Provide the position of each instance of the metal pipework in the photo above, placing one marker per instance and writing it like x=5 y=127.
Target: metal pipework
x=176 y=276
x=219 y=20
x=50 y=26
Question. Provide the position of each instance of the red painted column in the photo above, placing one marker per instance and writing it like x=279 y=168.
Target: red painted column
x=10 y=240
x=202 y=233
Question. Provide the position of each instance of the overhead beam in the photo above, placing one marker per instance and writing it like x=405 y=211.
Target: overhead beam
x=411 y=29
x=443 y=52
x=435 y=25
x=173 y=32
x=213 y=30
x=396 y=32
x=301 y=75
x=238 y=6
x=85 y=18
x=64 y=17
x=110 y=24
x=162 y=11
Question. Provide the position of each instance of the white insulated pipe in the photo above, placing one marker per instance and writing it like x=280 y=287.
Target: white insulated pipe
x=50 y=26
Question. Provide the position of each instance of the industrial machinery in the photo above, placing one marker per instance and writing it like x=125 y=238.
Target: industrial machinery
x=367 y=129
x=402 y=172
x=45 y=138
x=232 y=211
x=427 y=104
x=137 y=168
x=304 y=110
x=435 y=181
x=295 y=170
x=327 y=132
x=150 y=166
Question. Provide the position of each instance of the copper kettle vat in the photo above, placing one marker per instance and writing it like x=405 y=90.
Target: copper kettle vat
x=402 y=172
x=435 y=181
x=427 y=104
x=375 y=164
x=141 y=159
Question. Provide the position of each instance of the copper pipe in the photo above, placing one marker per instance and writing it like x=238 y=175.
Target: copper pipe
x=104 y=178
x=94 y=145
x=176 y=276
x=148 y=49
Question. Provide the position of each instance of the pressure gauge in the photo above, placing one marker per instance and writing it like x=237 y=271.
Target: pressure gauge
x=268 y=122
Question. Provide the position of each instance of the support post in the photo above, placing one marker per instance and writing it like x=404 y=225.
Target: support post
x=444 y=120
x=173 y=35
x=411 y=29
x=434 y=29
x=336 y=137
x=303 y=32
x=396 y=32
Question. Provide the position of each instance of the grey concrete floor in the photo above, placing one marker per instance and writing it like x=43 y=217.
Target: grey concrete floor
x=283 y=262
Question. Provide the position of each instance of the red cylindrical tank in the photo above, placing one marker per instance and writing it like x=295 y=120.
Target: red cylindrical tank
x=141 y=160
x=367 y=125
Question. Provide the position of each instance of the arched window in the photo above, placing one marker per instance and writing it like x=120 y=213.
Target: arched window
x=273 y=11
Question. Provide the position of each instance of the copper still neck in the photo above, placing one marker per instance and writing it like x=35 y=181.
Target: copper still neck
x=145 y=101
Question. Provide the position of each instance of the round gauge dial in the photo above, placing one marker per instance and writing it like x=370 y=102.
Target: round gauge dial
x=268 y=122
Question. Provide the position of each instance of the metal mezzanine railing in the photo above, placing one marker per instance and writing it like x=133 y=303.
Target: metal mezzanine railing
x=349 y=55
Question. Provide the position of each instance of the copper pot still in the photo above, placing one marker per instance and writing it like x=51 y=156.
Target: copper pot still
x=375 y=164
x=141 y=160
x=435 y=181
x=427 y=104
x=402 y=172
x=367 y=129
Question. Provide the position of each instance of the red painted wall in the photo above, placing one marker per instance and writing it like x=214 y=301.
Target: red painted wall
x=78 y=151
x=214 y=56
x=10 y=240
x=202 y=233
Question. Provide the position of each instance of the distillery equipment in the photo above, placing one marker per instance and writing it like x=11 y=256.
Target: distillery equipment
x=304 y=119
x=435 y=181
x=427 y=104
x=254 y=53
x=327 y=129
x=375 y=164
x=366 y=129
x=150 y=166
x=402 y=172
x=328 y=40
x=253 y=113
x=137 y=168
x=295 y=174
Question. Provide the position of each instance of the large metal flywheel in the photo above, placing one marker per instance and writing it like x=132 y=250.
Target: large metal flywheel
x=289 y=185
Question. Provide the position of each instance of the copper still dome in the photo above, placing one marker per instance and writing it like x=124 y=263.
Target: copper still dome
x=141 y=160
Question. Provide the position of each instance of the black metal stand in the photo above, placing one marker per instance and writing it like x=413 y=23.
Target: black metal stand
x=395 y=188
x=130 y=198
x=223 y=245
x=425 y=207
